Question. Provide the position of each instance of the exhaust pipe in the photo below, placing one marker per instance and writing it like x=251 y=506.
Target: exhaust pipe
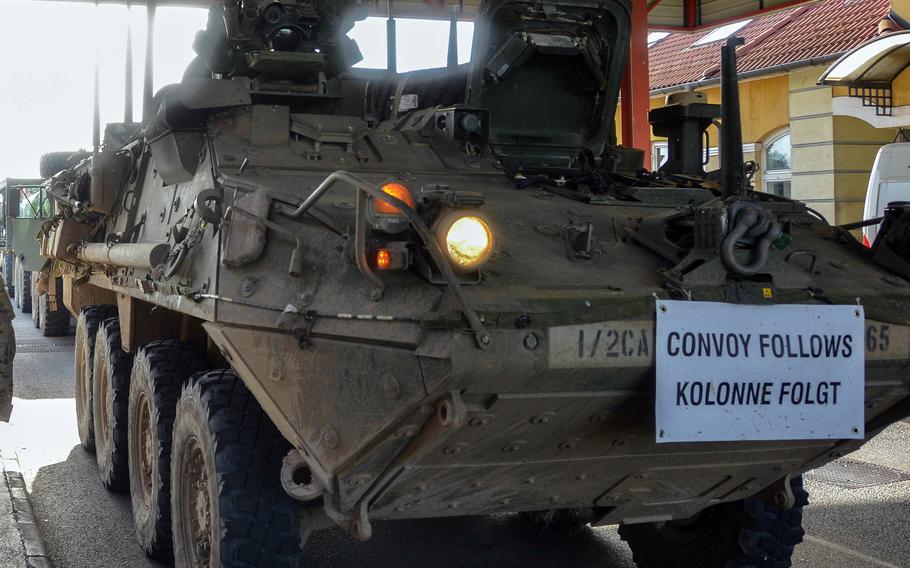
x=731 y=137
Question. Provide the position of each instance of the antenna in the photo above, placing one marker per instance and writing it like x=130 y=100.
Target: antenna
x=391 y=40
x=128 y=85
x=96 y=114
x=147 y=98
x=452 y=54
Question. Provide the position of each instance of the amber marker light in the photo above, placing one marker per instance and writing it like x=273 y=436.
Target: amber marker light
x=467 y=239
x=397 y=190
x=383 y=259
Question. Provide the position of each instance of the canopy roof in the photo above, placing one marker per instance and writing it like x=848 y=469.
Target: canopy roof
x=812 y=34
x=669 y=14
x=874 y=64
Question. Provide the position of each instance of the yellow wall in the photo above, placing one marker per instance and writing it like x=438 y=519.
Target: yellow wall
x=857 y=145
x=901 y=8
x=763 y=107
x=901 y=87
x=811 y=136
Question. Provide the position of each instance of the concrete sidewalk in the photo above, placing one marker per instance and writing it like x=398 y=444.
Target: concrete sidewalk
x=21 y=545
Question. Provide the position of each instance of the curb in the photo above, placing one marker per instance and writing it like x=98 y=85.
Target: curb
x=35 y=552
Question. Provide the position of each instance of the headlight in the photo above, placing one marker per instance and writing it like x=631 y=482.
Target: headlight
x=467 y=239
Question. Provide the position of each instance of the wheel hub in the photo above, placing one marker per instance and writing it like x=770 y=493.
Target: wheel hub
x=103 y=416
x=146 y=451
x=196 y=508
x=81 y=372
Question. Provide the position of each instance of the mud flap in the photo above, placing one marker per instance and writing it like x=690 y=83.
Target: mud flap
x=7 y=352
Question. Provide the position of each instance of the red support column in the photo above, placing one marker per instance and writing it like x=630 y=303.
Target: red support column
x=690 y=16
x=634 y=94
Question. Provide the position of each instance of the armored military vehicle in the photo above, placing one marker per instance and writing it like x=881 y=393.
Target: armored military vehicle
x=25 y=207
x=309 y=295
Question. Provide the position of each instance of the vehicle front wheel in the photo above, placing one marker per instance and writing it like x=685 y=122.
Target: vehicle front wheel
x=51 y=322
x=36 y=309
x=750 y=533
x=227 y=504
x=86 y=328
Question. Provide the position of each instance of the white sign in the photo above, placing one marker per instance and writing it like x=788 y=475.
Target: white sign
x=733 y=372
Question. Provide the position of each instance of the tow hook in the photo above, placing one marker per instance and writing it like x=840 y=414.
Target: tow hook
x=779 y=493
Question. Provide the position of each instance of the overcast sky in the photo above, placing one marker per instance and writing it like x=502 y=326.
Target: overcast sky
x=48 y=52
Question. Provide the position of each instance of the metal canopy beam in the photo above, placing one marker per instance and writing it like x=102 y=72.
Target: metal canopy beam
x=635 y=97
x=665 y=14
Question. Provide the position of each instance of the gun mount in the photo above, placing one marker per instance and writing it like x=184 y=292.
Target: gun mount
x=296 y=41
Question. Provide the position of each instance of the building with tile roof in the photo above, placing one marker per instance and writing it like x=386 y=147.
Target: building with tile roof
x=804 y=143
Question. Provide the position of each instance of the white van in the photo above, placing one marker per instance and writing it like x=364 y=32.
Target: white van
x=889 y=181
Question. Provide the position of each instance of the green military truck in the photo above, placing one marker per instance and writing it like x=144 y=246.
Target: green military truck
x=25 y=206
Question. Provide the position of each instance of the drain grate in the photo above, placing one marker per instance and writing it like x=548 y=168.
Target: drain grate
x=855 y=474
x=43 y=347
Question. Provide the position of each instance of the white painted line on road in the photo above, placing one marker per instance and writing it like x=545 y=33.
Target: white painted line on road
x=850 y=551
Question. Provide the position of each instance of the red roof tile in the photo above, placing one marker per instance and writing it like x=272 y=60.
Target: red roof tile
x=786 y=36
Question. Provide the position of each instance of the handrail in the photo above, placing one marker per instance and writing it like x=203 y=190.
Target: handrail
x=363 y=187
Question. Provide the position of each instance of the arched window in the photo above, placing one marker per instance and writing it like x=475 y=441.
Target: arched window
x=776 y=167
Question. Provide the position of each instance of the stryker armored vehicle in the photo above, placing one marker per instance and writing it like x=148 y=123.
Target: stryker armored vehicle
x=309 y=295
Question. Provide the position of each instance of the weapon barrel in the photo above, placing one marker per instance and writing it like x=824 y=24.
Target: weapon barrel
x=130 y=255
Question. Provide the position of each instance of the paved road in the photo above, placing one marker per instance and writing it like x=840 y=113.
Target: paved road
x=86 y=527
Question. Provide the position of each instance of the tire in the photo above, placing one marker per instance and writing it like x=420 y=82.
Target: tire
x=86 y=329
x=110 y=400
x=159 y=371
x=248 y=518
x=25 y=297
x=36 y=309
x=52 y=323
x=750 y=533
